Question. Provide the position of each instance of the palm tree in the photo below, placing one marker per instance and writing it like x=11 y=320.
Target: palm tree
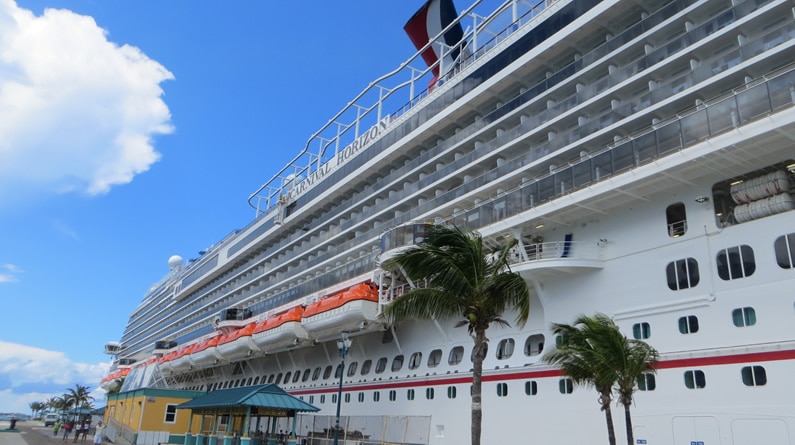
x=462 y=281
x=586 y=353
x=36 y=407
x=78 y=396
x=638 y=359
x=594 y=352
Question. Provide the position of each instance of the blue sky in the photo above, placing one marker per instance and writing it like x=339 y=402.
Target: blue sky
x=133 y=130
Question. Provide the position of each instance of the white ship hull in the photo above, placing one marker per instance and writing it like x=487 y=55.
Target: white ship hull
x=612 y=140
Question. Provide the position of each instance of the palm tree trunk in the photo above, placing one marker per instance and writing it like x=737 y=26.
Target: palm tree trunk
x=611 y=431
x=628 y=420
x=477 y=380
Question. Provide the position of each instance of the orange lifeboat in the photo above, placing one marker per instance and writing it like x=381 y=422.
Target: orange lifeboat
x=181 y=361
x=281 y=331
x=113 y=379
x=351 y=310
x=204 y=352
x=165 y=361
x=237 y=344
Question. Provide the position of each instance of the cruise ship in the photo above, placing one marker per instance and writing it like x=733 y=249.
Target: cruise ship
x=642 y=152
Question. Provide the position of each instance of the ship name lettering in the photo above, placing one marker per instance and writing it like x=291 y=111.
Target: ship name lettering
x=342 y=157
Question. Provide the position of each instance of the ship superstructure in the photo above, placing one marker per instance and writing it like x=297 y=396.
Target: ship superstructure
x=643 y=154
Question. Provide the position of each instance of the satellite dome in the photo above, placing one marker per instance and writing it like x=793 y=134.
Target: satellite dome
x=175 y=262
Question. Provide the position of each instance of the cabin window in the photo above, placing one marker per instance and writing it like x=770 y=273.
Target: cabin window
x=677 y=220
x=451 y=392
x=410 y=394
x=505 y=349
x=744 y=316
x=287 y=376
x=278 y=378
x=682 y=274
x=565 y=386
x=647 y=382
x=366 y=365
x=502 y=389
x=327 y=372
x=296 y=376
x=333 y=398
x=347 y=397
x=688 y=324
x=736 y=262
x=307 y=374
x=171 y=414
x=784 y=247
x=397 y=363
x=392 y=395
x=338 y=372
x=695 y=379
x=534 y=345
x=531 y=387
x=256 y=380
x=361 y=397
x=316 y=374
x=322 y=398
x=456 y=355
x=380 y=366
x=415 y=360
x=754 y=376
x=641 y=331
x=429 y=393
x=311 y=399
x=352 y=368
x=435 y=358
x=376 y=396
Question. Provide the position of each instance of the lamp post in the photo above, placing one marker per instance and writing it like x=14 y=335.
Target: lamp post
x=343 y=345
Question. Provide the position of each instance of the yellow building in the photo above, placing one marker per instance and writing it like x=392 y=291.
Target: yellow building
x=150 y=412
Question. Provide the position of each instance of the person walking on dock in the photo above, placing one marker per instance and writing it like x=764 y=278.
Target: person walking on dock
x=100 y=429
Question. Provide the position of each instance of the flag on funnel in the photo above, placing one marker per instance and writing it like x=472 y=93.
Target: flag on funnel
x=426 y=24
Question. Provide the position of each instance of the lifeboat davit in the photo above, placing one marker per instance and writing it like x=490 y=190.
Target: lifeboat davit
x=350 y=310
x=280 y=332
x=237 y=344
x=204 y=352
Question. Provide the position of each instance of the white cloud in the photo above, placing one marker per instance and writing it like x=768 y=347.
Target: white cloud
x=9 y=272
x=77 y=112
x=29 y=374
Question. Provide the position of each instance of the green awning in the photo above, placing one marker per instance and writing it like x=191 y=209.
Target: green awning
x=268 y=397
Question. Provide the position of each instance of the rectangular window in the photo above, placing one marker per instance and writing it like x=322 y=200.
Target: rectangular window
x=736 y=262
x=502 y=389
x=565 y=386
x=688 y=325
x=784 y=247
x=171 y=414
x=531 y=388
x=647 y=382
x=754 y=375
x=744 y=316
x=641 y=331
x=682 y=274
x=695 y=379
